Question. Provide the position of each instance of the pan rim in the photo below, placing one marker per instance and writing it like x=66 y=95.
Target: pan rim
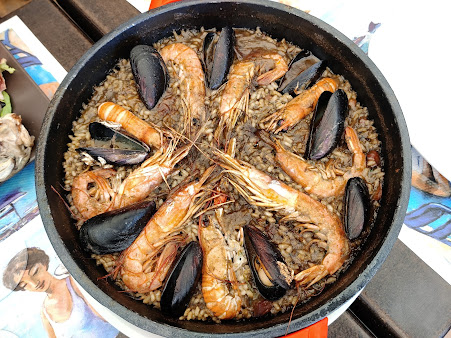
x=166 y=329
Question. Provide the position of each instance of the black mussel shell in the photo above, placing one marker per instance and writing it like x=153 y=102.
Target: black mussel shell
x=218 y=56
x=327 y=124
x=115 y=146
x=320 y=108
x=261 y=251
x=296 y=66
x=115 y=230
x=357 y=202
x=150 y=73
x=305 y=79
x=116 y=156
x=303 y=71
x=182 y=281
x=117 y=137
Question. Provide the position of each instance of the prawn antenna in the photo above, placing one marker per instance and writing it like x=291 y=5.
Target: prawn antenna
x=64 y=201
x=193 y=142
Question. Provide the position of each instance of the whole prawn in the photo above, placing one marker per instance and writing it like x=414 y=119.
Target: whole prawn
x=140 y=269
x=218 y=273
x=150 y=174
x=91 y=201
x=299 y=107
x=262 y=190
x=106 y=196
x=312 y=181
x=192 y=83
x=142 y=130
x=235 y=96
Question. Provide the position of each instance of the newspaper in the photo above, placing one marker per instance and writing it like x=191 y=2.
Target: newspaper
x=38 y=297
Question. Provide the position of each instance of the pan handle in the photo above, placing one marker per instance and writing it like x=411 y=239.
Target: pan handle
x=317 y=330
x=158 y=3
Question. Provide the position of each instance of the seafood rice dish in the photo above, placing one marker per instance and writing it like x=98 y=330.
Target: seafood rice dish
x=223 y=174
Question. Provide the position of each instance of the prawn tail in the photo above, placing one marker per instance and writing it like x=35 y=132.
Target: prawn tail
x=311 y=275
x=218 y=298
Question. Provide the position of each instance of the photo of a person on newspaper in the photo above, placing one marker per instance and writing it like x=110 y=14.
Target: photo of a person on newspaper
x=65 y=312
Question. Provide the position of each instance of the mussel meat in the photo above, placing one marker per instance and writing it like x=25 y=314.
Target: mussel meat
x=115 y=145
x=269 y=270
x=218 y=56
x=182 y=281
x=357 y=201
x=327 y=126
x=115 y=230
x=303 y=71
x=150 y=74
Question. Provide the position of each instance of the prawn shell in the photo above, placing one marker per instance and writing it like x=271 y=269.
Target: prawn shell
x=218 y=56
x=303 y=71
x=150 y=74
x=259 y=247
x=114 y=231
x=115 y=145
x=182 y=281
x=327 y=126
x=357 y=202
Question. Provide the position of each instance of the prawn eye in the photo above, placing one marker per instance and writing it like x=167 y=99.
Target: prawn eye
x=281 y=123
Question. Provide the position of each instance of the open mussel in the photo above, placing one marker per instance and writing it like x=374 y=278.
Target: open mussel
x=357 y=202
x=150 y=73
x=269 y=270
x=115 y=145
x=327 y=126
x=218 y=56
x=303 y=71
x=115 y=230
x=182 y=281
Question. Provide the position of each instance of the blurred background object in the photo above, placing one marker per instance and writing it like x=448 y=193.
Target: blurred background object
x=7 y=6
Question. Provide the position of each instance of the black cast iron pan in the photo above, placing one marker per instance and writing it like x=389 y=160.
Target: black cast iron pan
x=279 y=21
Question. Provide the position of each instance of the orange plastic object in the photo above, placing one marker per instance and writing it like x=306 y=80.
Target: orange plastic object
x=158 y=3
x=317 y=330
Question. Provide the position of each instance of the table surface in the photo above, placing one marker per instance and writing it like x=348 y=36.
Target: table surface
x=405 y=297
